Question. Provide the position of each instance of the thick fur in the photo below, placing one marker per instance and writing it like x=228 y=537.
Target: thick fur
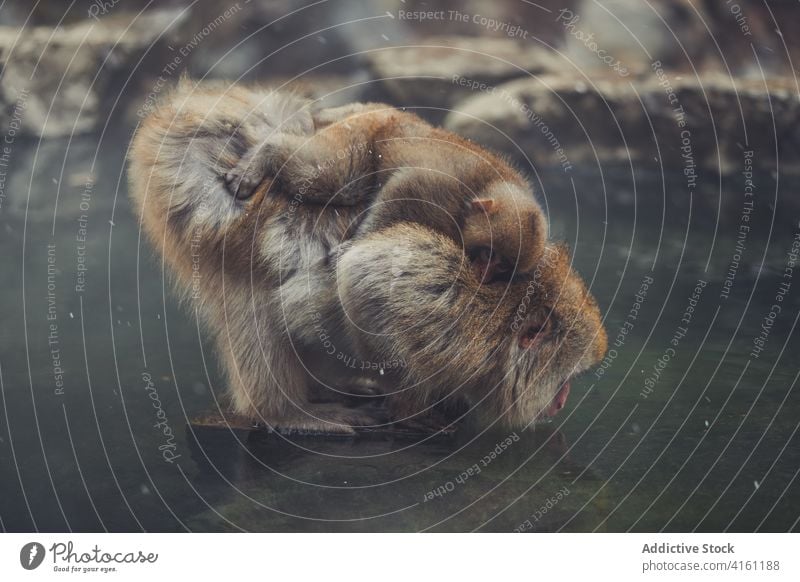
x=293 y=291
x=410 y=171
x=461 y=337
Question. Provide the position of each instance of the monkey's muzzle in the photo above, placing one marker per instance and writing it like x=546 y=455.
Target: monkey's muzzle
x=559 y=401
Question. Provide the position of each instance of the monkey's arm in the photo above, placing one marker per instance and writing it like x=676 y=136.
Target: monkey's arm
x=412 y=290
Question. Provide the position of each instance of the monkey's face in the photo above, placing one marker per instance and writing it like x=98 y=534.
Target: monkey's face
x=556 y=333
x=504 y=232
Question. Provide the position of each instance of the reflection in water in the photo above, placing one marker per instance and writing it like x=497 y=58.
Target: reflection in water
x=494 y=481
x=690 y=425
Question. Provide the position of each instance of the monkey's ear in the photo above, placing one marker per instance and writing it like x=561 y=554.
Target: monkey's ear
x=484 y=204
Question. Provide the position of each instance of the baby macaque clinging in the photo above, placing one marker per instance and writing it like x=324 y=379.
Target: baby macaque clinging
x=305 y=301
x=408 y=171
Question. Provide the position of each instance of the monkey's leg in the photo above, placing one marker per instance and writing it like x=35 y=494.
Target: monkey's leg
x=253 y=167
x=334 y=166
x=271 y=387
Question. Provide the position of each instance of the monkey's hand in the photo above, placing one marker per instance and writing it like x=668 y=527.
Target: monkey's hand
x=325 y=418
x=243 y=179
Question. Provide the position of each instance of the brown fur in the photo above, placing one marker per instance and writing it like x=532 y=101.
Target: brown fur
x=410 y=171
x=465 y=338
x=279 y=281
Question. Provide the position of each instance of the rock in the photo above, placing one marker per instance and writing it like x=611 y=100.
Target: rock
x=57 y=80
x=423 y=74
x=566 y=120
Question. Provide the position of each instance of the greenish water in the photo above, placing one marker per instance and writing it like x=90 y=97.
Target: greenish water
x=705 y=441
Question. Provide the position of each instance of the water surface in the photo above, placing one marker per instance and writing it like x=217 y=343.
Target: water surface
x=704 y=441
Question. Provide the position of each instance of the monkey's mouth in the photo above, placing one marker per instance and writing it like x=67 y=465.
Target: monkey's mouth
x=558 y=402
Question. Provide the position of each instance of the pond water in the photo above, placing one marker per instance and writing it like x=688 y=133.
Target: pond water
x=688 y=424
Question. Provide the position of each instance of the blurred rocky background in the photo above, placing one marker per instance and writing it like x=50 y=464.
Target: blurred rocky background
x=684 y=86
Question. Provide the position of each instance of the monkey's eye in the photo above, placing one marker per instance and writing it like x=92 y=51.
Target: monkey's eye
x=481 y=254
x=489 y=266
x=537 y=331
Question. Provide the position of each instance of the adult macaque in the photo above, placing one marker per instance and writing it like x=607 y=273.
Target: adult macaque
x=295 y=291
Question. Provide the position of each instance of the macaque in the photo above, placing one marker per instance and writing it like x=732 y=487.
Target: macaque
x=510 y=350
x=306 y=301
x=409 y=171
